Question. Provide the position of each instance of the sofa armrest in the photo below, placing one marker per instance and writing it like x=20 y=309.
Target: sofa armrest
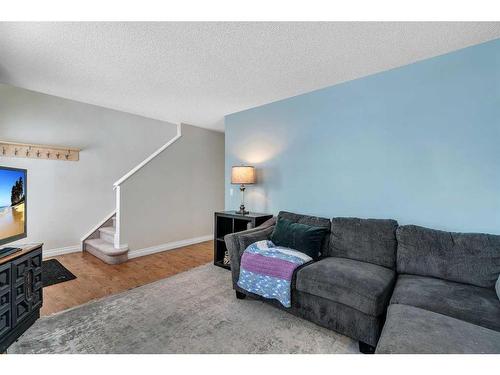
x=236 y=244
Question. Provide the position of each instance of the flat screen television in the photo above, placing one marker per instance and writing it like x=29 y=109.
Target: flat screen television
x=13 y=214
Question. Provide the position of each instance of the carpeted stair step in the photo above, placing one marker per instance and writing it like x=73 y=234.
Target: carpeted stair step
x=107 y=234
x=105 y=251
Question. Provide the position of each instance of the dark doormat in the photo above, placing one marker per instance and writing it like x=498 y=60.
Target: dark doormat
x=54 y=272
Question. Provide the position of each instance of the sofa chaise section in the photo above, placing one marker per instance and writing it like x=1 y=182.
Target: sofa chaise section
x=412 y=330
x=466 y=302
x=444 y=300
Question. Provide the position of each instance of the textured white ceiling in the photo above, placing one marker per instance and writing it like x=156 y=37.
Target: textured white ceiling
x=199 y=72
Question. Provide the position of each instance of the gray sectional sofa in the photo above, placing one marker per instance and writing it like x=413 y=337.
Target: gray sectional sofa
x=424 y=291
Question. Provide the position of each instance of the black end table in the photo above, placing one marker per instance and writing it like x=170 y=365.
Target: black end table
x=227 y=222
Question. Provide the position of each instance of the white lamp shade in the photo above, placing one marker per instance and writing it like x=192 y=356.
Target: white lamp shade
x=243 y=175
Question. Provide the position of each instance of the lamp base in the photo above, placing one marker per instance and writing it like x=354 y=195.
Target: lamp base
x=242 y=211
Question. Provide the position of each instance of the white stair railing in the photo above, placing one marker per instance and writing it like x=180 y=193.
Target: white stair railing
x=134 y=170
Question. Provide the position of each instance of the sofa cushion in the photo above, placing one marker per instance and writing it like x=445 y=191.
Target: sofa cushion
x=470 y=303
x=469 y=258
x=313 y=221
x=367 y=240
x=497 y=287
x=409 y=330
x=301 y=237
x=337 y=317
x=360 y=285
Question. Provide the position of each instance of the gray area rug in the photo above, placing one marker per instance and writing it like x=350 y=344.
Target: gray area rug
x=192 y=312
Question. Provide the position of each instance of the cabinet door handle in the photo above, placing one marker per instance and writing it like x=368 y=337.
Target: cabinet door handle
x=28 y=285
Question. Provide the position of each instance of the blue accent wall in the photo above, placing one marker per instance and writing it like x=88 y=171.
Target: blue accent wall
x=420 y=144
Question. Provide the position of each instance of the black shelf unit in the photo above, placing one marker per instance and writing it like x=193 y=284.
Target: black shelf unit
x=227 y=222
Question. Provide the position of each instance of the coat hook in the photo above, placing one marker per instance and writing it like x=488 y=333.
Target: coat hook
x=37 y=151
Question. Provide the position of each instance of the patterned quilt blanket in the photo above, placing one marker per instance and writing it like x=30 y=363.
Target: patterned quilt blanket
x=267 y=270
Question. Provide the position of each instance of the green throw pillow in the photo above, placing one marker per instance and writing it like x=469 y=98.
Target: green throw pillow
x=300 y=237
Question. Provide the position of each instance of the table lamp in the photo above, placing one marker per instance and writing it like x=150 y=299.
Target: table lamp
x=243 y=175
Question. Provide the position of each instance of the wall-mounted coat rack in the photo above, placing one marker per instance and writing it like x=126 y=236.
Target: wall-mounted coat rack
x=26 y=150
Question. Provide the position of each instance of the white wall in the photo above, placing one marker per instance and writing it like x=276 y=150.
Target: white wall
x=66 y=199
x=173 y=198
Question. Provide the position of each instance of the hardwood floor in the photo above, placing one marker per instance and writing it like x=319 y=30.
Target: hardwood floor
x=96 y=279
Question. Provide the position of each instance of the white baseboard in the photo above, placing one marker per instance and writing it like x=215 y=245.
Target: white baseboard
x=132 y=253
x=168 y=246
x=61 y=251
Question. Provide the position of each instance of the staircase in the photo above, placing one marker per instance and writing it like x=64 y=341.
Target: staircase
x=101 y=243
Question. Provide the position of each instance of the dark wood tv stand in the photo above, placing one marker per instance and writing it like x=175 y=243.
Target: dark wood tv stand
x=21 y=294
